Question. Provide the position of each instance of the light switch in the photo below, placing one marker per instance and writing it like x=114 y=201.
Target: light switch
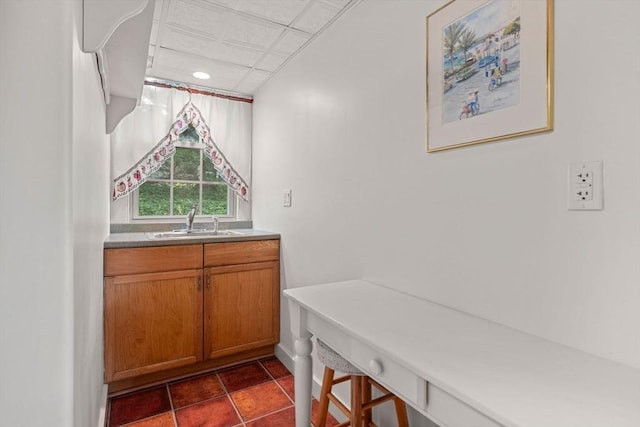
x=286 y=202
x=585 y=186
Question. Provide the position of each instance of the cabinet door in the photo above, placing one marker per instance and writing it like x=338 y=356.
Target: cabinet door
x=152 y=322
x=242 y=308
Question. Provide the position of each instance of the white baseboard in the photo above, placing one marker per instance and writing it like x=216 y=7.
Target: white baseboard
x=285 y=357
x=102 y=416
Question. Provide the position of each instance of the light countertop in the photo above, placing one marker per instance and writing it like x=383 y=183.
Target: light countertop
x=144 y=239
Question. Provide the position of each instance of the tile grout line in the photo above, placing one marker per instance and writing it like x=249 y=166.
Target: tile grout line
x=220 y=396
x=276 y=379
x=173 y=409
x=225 y=392
x=271 y=378
x=271 y=413
x=233 y=404
x=285 y=391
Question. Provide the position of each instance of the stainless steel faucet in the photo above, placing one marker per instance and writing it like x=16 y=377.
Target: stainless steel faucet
x=191 y=216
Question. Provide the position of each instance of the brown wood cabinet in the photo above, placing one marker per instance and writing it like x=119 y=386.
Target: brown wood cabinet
x=170 y=309
x=154 y=322
x=239 y=303
x=242 y=297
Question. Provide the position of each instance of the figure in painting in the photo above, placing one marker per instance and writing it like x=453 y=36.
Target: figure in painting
x=476 y=50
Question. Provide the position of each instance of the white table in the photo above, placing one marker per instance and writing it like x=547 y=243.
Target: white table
x=457 y=369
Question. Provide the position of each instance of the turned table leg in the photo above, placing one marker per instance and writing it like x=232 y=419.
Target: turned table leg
x=303 y=365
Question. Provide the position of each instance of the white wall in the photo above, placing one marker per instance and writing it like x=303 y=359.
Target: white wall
x=53 y=218
x=90 y=211
x=484 y=229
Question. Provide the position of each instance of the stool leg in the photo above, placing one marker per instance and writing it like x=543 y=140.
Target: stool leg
x=366 y=397
x=323 y=407
x=356 y=401
x=401 y=412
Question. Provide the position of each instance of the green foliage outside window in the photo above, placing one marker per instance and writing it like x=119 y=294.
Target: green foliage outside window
x=194 y=181
x=153 y=199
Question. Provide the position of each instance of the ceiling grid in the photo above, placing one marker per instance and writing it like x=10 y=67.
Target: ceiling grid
x=239 y=43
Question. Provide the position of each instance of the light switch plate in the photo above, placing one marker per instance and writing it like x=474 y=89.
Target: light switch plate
x=286 y=201
x=586 y=186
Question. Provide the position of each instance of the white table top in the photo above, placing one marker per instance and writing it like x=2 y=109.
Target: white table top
x=513 y=377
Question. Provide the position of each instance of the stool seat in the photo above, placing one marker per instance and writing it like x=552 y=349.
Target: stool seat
x=360 y=413
x=333 y=360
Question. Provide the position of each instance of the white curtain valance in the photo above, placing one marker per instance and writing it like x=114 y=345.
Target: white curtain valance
x=146 y=138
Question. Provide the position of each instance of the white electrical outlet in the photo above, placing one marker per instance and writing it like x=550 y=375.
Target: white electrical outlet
x=585 y=186
x=286 y=202
x=584 y=194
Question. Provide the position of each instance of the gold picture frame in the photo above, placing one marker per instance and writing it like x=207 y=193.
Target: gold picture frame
x=489 y=71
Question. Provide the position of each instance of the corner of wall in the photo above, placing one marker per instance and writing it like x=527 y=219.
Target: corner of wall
x=102 y=415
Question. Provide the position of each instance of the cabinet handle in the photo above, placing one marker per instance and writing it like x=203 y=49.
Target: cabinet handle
x=199 y=283
x=208 y=282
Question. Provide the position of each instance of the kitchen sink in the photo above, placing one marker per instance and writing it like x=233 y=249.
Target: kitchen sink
x=181 y=234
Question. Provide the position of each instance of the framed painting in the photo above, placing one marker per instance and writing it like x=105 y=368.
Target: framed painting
x=489 y=71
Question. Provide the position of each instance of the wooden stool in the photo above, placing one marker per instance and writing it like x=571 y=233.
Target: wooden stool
x=361 y=402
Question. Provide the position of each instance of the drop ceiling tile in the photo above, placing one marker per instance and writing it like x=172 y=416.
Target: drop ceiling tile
x=291 y=42
x=202 y=18
x=253 y=80
x=219 y=83
x=253 y=32
x=168 y=60
x=340 y=4
x=281 y=11
x=240 y=55
x=238 y=42
x=316 y=17
x=179 y=40
x=231 y=4
x=271 y=62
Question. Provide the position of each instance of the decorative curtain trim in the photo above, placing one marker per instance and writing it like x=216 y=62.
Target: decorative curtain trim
x=165 y=149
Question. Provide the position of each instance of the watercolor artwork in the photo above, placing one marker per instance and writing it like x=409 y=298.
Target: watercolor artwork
x=489 y=71
x=481 y=61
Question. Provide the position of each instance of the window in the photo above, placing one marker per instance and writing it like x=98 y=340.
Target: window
x=186 y=179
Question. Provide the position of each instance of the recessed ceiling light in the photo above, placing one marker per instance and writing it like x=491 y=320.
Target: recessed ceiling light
x=201 y=75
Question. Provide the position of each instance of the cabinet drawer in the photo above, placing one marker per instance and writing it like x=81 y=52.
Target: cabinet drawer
x=152 y=259
x=398 y=379
x=229 y=253
x=450 y=411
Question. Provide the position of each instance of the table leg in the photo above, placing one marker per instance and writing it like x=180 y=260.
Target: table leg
x=303 y=364
x=302 y=382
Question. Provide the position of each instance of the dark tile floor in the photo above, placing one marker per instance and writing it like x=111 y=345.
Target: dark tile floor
x=256 y=394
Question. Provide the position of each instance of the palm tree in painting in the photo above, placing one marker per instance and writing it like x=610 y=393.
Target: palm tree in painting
x=452 y=35
x=513 y=27
x=467 y=39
